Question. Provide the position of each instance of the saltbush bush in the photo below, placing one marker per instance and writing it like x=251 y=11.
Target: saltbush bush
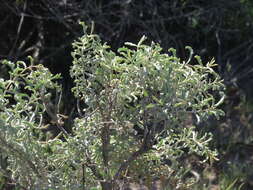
x=131 y=117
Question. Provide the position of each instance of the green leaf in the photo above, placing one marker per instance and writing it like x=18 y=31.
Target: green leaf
x=149 y=106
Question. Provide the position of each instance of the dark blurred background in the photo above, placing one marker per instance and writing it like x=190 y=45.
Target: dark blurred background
x=220 y=29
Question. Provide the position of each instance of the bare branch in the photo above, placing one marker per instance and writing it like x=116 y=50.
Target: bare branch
x=18 y=32
x=145 y=147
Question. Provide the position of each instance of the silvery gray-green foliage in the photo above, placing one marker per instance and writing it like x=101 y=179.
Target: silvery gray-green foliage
x=21 y=112
x=138 y=101
x=140 y=85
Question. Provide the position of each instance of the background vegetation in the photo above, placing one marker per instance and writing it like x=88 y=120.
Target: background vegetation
x=221 y=29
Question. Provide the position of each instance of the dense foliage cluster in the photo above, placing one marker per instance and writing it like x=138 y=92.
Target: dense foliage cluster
x=136 y=103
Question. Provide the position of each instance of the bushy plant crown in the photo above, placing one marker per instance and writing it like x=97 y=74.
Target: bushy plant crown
x=137 y=100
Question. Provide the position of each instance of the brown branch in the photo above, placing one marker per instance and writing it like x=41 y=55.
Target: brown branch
x=93 y=168
x=18 y=32
x=105 y=136
x=145 y=147
x=40 y=41
x=52 y=112
x=105 y=132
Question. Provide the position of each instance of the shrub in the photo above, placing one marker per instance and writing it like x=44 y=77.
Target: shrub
x=136 y=103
